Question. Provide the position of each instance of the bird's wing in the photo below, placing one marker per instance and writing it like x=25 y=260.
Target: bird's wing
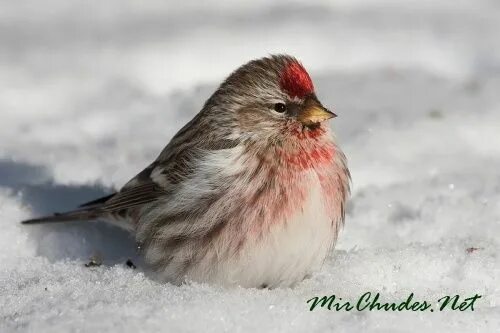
x=161 y=177
x=133 y=196
x=140 y=190
x=176 y=164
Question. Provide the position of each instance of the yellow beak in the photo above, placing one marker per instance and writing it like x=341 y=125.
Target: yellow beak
x=314 y=114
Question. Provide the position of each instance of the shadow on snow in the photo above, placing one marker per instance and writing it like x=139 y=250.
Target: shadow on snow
x=71 y=240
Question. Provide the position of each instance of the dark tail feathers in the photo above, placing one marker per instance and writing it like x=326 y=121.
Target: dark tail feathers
x=88 y=211
x=76 y=215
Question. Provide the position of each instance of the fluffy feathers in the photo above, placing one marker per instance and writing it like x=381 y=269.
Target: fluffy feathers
x=245 y=193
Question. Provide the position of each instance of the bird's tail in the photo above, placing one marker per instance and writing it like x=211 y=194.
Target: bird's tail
x=74 y=215
x=88 y=211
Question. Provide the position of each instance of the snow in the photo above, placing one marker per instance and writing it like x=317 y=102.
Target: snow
x=91 y=91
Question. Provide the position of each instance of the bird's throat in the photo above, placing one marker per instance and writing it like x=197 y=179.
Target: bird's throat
x=306 y=148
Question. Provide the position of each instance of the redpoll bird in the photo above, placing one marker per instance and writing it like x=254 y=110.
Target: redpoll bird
x=250 y=192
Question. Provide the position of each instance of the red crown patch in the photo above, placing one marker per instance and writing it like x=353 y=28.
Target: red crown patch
x=296 y=81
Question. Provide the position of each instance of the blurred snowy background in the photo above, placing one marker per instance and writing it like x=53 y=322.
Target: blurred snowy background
x=90 y=91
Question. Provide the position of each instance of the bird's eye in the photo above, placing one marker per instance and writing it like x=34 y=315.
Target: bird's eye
x=279 y=107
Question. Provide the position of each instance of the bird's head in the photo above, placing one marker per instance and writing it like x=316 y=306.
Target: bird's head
x=269 y=98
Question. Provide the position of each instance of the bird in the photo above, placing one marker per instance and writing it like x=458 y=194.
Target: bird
x=251 y=192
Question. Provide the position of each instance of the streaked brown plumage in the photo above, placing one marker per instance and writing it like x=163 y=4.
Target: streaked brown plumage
x=250 y=192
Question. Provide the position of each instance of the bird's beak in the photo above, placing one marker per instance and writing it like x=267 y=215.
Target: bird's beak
x=314 y=113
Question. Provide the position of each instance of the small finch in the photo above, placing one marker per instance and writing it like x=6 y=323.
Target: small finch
x=250 y=192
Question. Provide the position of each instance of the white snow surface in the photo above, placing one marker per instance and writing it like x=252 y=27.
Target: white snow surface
x=91 y=91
